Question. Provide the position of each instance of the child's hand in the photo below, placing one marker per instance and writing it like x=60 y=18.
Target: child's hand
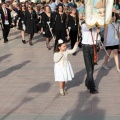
x=77 y=43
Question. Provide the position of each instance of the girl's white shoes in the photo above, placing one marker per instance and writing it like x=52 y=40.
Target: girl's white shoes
x=63 y=92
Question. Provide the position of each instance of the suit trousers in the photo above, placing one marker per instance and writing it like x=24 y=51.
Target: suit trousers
x=6 y=31
x=88 y=54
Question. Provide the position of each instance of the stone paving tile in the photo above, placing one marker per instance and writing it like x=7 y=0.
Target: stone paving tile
x=27 y=85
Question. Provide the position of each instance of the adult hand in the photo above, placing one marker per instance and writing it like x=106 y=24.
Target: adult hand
x=77 y=43
x=98 y=30
x=51 y=29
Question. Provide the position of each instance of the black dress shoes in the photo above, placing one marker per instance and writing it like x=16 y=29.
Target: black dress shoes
x=31 y=44
x=5 y=41
x=23 y=41
x=87 y=86
x=93 y=91
x=74 y=54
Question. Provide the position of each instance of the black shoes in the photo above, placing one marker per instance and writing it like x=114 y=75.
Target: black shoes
x=93 y=91
x=74 y=54
x=48 y=46
x=23 y=41
x=87 y=86
x=6 y=40
x=31 y=44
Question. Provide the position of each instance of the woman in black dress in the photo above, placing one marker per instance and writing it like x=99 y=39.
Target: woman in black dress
x=30 y=22
x=59 y=25
x=40 y=12
x=46 y=19
x=20 y=21
x=73 y=22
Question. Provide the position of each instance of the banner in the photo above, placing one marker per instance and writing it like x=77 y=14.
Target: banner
x=98 y=12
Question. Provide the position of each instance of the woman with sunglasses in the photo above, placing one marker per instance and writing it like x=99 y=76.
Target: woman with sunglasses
x=30 y=22
x=20 y=22
x=46 y=23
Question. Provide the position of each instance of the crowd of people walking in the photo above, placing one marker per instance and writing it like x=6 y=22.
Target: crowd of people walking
x=63 y=21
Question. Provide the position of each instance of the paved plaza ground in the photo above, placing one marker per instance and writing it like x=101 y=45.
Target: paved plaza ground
x=28 y=90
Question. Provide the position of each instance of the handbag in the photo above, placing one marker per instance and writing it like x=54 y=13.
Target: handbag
x=95 y=47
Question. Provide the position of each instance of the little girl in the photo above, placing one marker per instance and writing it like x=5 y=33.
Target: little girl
x=62 y=69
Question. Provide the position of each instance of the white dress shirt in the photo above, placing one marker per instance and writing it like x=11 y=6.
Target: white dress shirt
x=86 y=35
x=5 y=12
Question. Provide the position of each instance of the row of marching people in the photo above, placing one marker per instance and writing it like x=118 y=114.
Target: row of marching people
x=60 y=24
x=56 y=25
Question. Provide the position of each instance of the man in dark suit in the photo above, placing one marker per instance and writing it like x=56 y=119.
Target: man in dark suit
x=5 y=21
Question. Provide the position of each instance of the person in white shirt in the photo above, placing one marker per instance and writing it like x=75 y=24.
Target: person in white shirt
x=53 y=5
x=62 y=68
x=112 y=41
x=88 y=53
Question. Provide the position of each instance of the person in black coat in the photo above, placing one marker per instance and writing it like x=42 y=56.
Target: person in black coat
x=73 y=24
x=20 y=21
x=46 y=19
x=59 y=25
x=5 y=21
x=30 y=22
x=40 y=21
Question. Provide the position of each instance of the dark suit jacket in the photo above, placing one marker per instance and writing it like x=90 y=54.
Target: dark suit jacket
x=3 y=18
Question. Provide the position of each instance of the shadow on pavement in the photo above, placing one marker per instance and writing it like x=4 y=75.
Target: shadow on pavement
x=12 y=69
x=85 y=108
x=102 y=73
x=4 y=57
x=77 y=80
x=14 y=33
x=44 y=87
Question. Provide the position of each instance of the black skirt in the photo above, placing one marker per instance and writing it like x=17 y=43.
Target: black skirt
x=39 y=26
x=112 y=47
x=47 y=33
x=31 y=26
x=20 y=25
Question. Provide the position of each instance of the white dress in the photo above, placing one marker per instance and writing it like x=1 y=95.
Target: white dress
x=111 y=39
x=62 y=68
